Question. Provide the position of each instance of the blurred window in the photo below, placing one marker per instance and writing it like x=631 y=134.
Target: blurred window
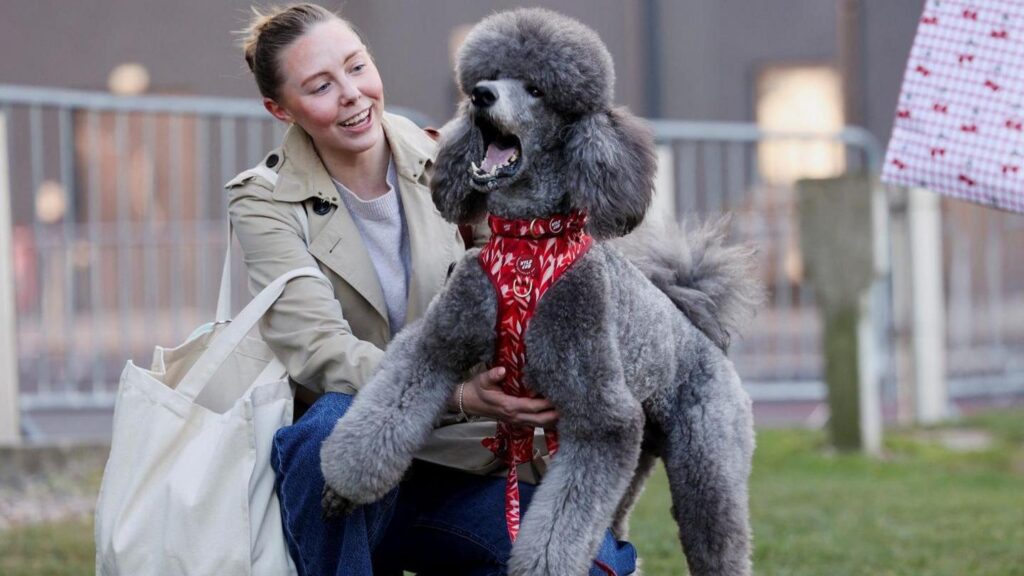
x=806 y=99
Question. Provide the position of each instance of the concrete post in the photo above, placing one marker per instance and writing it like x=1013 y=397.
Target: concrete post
x=837 y=239
x=10 y=416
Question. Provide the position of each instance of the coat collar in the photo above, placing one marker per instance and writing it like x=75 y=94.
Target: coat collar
x=302 y=175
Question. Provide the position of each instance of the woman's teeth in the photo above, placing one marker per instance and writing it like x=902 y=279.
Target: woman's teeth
x=357 y=119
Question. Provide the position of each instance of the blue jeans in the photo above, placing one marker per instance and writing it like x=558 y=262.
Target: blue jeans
x=438 y=521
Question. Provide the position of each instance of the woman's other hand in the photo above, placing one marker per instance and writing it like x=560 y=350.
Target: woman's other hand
x=482 y=396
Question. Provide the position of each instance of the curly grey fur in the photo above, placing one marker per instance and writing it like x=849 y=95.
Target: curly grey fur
x=561 y=56
x=579 y=152
x=609 y=167
x=450 y=186
x=715 y=285
x=631 y=376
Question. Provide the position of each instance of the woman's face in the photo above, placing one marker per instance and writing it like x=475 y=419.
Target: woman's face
x=331 y=88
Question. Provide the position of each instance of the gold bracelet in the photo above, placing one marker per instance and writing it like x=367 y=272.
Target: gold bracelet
x=463 y=417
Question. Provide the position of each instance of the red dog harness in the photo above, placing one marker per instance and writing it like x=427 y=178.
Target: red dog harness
x=523 y=259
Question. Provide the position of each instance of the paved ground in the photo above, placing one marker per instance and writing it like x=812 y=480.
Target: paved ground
x=40 y=484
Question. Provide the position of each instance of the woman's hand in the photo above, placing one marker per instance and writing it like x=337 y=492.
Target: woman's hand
x=482 y=396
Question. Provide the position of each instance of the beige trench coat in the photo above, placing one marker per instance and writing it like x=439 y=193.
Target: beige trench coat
x=331 y=339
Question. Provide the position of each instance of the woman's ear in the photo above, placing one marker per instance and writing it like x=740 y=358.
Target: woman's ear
x=277 y=111
x=610 y=164
x=450 y=184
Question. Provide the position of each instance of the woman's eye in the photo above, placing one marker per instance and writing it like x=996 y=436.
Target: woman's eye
x=534 y=91
x=322 y=88
x=358 y=67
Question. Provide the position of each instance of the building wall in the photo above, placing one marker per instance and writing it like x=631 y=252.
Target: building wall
x=711 y=50
x=717 y=48
x=187 y=45
x=714 y=51
x=409 y=38
x=887 y=39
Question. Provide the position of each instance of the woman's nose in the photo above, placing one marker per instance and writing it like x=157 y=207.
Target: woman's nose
x=349 y=92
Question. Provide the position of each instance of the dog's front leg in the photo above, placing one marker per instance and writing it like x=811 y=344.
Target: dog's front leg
x=373 y=444
x=573 y=360
x=599 y=446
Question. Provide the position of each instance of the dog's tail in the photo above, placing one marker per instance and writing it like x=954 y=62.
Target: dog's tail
x=715 y=285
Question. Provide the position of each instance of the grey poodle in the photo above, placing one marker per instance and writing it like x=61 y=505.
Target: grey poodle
x=629 y=343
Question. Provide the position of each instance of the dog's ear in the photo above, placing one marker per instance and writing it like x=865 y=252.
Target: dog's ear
x=610 y=164
x=450 y=184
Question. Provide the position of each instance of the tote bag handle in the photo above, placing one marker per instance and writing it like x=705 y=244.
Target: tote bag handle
x=225 y=343
x=194 y=381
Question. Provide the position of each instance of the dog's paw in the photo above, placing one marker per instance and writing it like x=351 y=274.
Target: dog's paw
x=335 y=505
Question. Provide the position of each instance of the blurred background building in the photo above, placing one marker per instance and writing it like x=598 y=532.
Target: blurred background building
x=123 y=119
x=692 y=59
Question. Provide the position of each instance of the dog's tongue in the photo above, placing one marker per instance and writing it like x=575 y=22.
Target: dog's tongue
x=496 y=156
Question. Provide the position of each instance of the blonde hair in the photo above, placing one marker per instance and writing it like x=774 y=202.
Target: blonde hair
x=273 y=29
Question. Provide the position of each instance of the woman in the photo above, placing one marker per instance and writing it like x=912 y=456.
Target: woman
x=347 y=191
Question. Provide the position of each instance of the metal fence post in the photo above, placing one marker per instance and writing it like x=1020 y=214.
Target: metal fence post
x=664 y=203
x=928 y=306
x=10 y=432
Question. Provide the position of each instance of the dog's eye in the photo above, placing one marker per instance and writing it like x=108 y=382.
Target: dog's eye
x=534 y=91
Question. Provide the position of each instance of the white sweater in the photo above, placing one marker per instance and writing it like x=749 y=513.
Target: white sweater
x=381 y=224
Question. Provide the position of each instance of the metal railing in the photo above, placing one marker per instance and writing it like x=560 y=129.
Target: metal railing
x=719 y=168
x=118 y=210
x=118 y=229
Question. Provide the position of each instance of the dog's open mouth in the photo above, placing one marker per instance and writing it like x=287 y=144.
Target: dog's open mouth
x=503 y=155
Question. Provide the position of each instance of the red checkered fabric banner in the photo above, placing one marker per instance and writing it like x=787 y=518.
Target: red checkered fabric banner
x=959 y=127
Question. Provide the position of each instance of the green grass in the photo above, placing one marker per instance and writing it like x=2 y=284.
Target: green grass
x=61 y=549
x=921 y=510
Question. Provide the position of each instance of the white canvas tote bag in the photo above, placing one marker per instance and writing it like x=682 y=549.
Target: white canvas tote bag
x=188 y=488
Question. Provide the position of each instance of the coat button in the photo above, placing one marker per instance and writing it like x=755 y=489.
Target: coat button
x=272 y=160
x=321 y=206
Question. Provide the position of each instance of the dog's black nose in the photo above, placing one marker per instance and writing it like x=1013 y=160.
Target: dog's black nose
x=483 y=96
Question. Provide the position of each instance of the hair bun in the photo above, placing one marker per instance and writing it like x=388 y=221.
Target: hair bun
x=251 y=34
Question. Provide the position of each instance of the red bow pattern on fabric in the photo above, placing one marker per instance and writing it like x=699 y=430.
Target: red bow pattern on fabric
x=523 y=259
x=959 y=125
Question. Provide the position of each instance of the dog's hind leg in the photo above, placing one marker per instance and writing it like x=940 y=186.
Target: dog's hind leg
x=392 y=416
x=707 y=452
